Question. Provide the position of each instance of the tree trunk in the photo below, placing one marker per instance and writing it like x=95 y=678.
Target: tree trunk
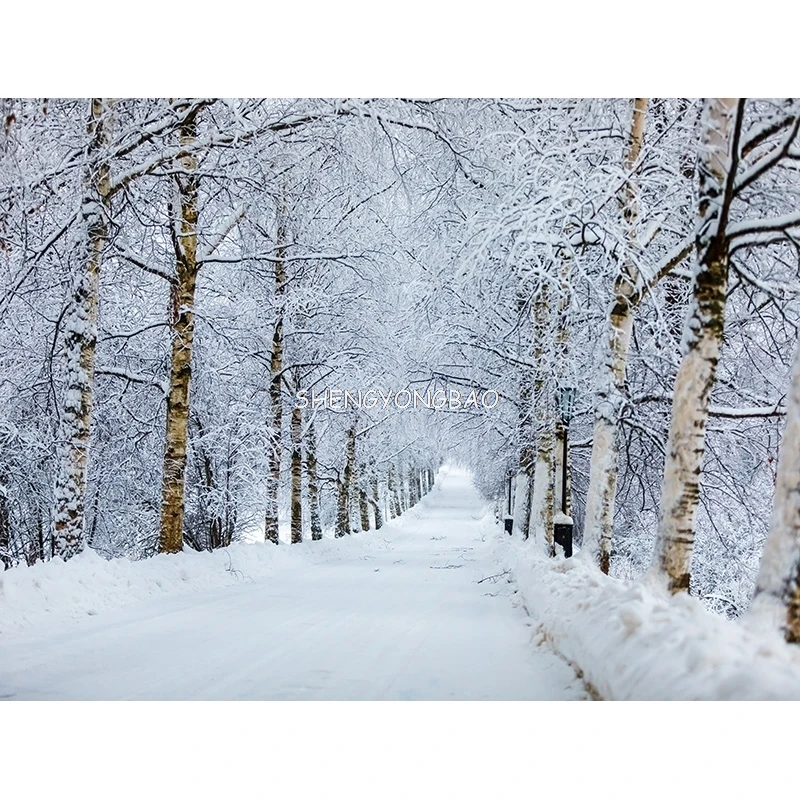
x=702 y=340
x=523 y=496
x=92 y=534
x=313 y=485
x=230 y=509
x=297 y=475
x=560 y=485
x=346 y=484
x=779 y=573
x=38 y=554
x=5 y=525
x=79 y=343
x=413 y=486
x=342 y=509
x=33 y=546
x=524 y=480
x=363 y=503
x=275 y=394
x=402 y=497
x=543 y=485
x=544 y=420
x=205 y=467
x=611 y=391
x=394 y=495
x=180 y=373
x=376 y=504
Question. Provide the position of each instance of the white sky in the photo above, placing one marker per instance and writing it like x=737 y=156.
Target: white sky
x=546 y=49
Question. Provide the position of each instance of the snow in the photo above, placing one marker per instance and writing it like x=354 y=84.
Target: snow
x=633 y=642
x=434 y=606
x=417 y=610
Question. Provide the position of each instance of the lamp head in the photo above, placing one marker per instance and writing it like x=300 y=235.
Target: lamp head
x=566 y=402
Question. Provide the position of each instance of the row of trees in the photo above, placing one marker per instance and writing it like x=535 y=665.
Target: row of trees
x=174 y=271
x=600 y=254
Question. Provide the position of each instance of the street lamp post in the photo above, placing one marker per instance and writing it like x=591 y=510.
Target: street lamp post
x=563 y=524
x=508 y=521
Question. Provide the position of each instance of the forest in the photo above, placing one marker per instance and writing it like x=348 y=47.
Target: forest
x=177 y=276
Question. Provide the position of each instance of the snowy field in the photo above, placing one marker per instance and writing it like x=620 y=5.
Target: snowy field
x=412 y=612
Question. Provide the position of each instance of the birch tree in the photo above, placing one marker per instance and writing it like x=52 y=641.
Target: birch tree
x=375 y=501
x=183 y=300
x=345 y=483
x=297 y=475
x=599 y=525
x=525 y=473
x=363 y=501
x=727 y=170
x=312 y=481
x=702 y=341
x=5 y=526
x=80 y=340
x=542 y=502
x=275 y=391
x=394 y=496
x=779 y=573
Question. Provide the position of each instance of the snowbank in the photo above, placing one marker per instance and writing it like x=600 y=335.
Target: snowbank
x=631 y=643
x=87 y=584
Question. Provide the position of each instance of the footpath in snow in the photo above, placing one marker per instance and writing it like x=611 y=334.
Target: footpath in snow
x=415 y=611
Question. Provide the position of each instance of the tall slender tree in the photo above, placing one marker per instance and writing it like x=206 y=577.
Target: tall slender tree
x=276 y=382
x=297 y=474
x=702 y=341
x=599 y=525
x=779 y=573
x=312 y=481
x=80 y=338
x=182 y=326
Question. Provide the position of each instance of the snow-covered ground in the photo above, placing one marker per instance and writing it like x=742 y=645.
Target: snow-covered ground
x=432 y=606
x=413 y=611
x=632 y=641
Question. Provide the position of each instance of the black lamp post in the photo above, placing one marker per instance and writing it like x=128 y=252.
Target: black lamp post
x=563 y=527
x=508 y=521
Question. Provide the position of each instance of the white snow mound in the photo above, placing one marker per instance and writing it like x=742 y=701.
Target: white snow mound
x=632 y=643
x=88 y=584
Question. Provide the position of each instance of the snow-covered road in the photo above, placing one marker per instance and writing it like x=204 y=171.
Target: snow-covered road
x=406 y=619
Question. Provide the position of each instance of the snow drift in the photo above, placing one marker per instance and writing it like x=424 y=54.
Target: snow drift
x=632 y=643
x=56 y=591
